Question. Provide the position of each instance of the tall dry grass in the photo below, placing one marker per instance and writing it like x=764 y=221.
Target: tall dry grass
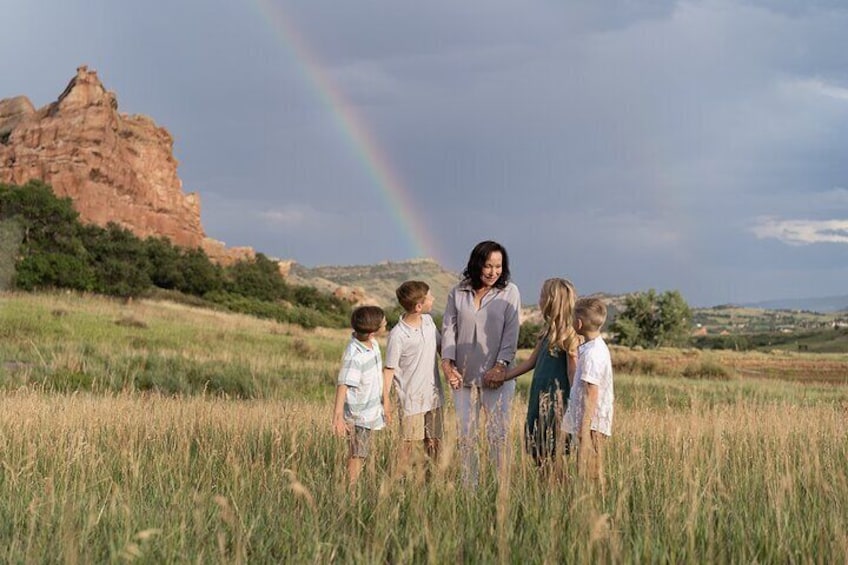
x=105 y=478
x=94 y=470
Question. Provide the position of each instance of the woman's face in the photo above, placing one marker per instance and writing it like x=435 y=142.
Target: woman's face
x=492 y=269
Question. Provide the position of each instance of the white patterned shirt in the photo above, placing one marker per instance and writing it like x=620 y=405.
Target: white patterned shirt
x=594 y=366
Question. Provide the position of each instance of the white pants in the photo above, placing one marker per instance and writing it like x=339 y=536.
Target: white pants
x=496 y=403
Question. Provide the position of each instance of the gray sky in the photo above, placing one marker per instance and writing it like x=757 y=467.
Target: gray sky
x=697 y=146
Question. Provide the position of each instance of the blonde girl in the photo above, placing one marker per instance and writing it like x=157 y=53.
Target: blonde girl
x=554 y=360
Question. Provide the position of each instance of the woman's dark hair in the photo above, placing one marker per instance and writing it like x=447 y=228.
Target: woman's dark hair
x=479 y=255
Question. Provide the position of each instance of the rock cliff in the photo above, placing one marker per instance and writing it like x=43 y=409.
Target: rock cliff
x=114 y=167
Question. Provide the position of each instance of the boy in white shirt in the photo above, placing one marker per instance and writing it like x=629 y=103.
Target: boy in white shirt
x=411 y=361
x=590 y=405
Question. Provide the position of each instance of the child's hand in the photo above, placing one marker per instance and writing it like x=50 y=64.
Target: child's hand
x=495 y=377
x=340 y=427
x=387 y=412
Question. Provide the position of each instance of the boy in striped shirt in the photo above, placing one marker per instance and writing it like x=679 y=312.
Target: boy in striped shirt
x=362 y=395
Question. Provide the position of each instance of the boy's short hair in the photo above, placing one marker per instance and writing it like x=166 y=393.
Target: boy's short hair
x=411 y=293
x=592 y=312
x=367 y=319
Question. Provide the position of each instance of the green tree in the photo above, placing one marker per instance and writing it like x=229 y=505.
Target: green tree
x=189 y=271
x=200 y=274
x=675 y=319
x=653 y=320
x=528 y=335
x=54 y=270
x=50 y=224
x=164 y=259
x=258 y=278
x=51 y=252
x=117 y=257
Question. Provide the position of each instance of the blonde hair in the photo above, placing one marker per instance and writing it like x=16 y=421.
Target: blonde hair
x=557 y=306
x=412 y=293
x=592 y=312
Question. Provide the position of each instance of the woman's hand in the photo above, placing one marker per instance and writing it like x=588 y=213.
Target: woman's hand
x=452 y=374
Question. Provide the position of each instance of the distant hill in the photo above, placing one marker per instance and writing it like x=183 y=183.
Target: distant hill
x=824 y=305
x=377 y=283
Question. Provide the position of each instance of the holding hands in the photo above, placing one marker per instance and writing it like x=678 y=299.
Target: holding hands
x=452 y=374
x=495 y=377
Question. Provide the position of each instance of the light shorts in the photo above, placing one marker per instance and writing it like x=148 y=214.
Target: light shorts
x=426 y=425
x=360 y=442
x=593 y=455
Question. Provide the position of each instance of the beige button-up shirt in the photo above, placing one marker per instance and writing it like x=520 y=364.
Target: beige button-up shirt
x=477 y=339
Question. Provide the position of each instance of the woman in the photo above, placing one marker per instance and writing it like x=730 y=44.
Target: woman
x=479 y=340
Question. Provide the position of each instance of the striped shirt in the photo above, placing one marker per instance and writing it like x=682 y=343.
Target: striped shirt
x=362 y=373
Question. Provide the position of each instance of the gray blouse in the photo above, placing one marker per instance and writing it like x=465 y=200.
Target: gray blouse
x=477 y=339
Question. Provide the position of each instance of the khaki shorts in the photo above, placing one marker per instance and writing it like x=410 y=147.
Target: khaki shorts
x=360 y=441
x=591 y=459
x=427 y=425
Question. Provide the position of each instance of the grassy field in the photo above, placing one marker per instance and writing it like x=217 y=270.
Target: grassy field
x=161 y=433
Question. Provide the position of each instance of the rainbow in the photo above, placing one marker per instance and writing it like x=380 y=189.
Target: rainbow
x=354 y=130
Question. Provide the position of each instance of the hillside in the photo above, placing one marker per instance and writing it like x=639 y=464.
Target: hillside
x=377 y=283
x=735 y=319
x=825 y=304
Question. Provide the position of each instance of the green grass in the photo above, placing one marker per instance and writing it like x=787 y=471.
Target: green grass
x=68 y=342
x=230 y=457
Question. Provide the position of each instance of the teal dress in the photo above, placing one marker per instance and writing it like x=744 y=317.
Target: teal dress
x=541 y=428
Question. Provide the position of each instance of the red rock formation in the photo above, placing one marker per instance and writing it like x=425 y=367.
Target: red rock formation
x=285 y=266
x=115 y=167
x=355 y=296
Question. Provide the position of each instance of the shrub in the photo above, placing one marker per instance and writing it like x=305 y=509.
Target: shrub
x=635 y=365
x=528 y=335
x=54 y=270
x=54 y=250
x=706 y=369
x=258 y=278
